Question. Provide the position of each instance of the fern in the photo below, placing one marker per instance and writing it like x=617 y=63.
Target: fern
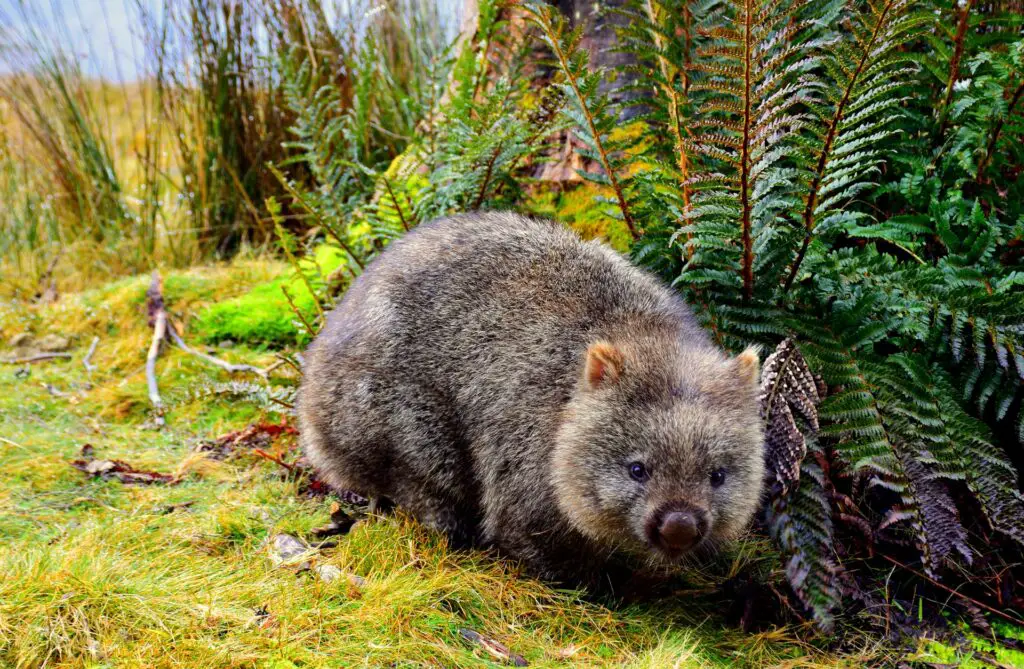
x=894 y=273
x=590 y=111
x=800 y=523
x=854 y=118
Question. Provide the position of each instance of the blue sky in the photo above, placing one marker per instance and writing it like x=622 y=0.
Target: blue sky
x=101 y=34
x=104 y=34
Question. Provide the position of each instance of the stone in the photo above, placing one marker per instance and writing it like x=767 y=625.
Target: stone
x=328 y=573
x=53 y=343
x=21 y=340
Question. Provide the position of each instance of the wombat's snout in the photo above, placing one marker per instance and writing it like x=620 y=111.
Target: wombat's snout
x=677 y=528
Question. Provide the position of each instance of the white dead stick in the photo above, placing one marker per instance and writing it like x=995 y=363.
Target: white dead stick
x=86 y=361
x=223 y=364
x=158 y=318
x=159 y=332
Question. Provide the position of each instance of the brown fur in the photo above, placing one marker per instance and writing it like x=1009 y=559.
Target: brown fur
x=501 y=379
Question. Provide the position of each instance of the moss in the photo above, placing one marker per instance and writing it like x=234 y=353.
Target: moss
x=260 y=317
x=577 y=207
x=263 y=316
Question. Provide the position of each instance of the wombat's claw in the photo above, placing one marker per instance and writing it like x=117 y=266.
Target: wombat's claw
x=379 y=505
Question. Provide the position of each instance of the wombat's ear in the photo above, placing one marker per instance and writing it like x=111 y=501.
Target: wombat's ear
x=604 y=364
x=748 y=366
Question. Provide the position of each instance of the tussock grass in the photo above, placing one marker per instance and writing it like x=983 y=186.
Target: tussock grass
x=97 y=573
x=171 y=168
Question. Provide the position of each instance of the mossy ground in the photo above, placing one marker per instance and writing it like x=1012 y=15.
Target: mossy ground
x=96 y=573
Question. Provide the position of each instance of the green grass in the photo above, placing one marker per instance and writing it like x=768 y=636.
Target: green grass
x=101 y=574
x=974 y=651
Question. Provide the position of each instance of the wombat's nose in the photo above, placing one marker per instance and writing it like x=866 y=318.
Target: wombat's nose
x=680 y=530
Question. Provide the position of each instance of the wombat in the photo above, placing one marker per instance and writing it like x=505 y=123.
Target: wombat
x=516 y=387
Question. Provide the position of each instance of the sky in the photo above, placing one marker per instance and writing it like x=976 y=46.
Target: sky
x=103 y=35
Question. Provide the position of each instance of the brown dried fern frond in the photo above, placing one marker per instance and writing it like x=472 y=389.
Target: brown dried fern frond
x=788 y=390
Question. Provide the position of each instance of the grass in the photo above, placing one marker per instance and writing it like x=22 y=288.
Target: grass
x=975 y=652
x=170 y=169
x=102 y=574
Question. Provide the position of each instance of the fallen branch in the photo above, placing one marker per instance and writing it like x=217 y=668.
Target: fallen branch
x=89 y=367
x=123 y=472
x=34 y=358
x=158 y=320
x=223 y=364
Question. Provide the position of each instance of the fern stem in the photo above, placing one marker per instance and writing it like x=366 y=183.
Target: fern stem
x=745 y=206
x=316 y=214
x=487 y=177
x=398 y=207
x=826 y=148
x=669 y=74
x=959 y=43
x=566 y=68
x=298 y=313
x=996 y=129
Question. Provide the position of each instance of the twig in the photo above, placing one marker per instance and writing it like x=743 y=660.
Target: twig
x=223 y=364
x=298 y=314
x=273 y=458
x=158 y=319
x=89 y=367
x=13 y=443
x=285 y=360
x=1006 y=616
x=35 y=358
x=286 y=405
x=496 y=649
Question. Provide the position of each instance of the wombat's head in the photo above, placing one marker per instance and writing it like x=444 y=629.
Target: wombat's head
x=660 y=448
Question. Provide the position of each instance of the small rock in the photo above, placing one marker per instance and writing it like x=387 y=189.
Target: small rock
x=328 y=573
x=226 y=343
x=284 y=548
x=52 y=343
x=21 y=340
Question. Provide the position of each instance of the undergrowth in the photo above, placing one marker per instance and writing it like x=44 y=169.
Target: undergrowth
x=100 y=573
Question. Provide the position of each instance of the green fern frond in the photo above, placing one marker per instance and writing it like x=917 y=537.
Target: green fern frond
x=589 y=111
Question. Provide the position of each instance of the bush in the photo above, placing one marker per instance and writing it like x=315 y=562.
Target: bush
x=848 y=176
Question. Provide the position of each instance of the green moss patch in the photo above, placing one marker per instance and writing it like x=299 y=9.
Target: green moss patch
x=262 y=316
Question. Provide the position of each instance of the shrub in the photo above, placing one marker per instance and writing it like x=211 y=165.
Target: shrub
x=829 y=173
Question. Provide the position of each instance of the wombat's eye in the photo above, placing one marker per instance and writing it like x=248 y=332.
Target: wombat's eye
x=638 y=471
x=717 y=478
